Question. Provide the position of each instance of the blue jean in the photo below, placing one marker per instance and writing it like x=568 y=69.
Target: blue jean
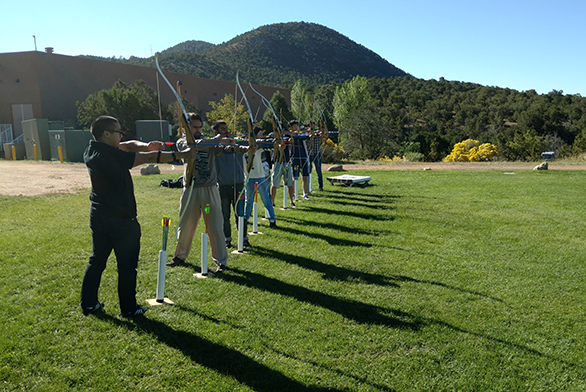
x=316 y=160
x=263 y=191
x=122 y=236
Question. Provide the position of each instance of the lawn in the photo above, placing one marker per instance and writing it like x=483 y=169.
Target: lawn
x=422 y=281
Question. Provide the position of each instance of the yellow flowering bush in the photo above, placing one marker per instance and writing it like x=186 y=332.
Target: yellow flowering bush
x=332 y=152
x=471 y=150
x=393 y=159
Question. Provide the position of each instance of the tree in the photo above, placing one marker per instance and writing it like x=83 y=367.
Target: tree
x=279 y=104
x=301 y=100
x=235 y=114
x=353 y=107
x=351 y=97
x=127 y=103
x=368 y=135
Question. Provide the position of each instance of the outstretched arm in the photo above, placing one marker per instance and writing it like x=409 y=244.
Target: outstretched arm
x=138 y=146
x=162 y=156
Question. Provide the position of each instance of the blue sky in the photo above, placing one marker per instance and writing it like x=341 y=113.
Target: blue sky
x=517 y=44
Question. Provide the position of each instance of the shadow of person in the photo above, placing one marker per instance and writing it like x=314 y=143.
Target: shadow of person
x=352 y=310
x=219 y=358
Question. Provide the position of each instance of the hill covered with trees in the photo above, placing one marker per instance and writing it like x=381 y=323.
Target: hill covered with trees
x=426 y=118
x=276 y=55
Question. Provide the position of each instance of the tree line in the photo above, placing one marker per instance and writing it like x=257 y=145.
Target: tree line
x=400 y=116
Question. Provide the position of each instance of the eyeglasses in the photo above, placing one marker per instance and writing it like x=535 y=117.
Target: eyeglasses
x=118 y=131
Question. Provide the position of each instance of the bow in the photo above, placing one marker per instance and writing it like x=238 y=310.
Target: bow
x=251 y=138
x=185 y=122
x=324 y=128
x=277 y=131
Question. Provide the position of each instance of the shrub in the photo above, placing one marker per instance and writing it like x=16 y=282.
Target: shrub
x=471 y=150
x=332 y=152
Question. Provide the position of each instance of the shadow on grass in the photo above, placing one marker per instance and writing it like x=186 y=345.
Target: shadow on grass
x=401 y=278
x=363 y=204
x=352 y=310
x=330 y=240
x=368 y=314
x=330 y=272
x=328 y=211
x=226 y=361
x=362 y=379
x=333 y=226
x=362 y=196
x=367 y=198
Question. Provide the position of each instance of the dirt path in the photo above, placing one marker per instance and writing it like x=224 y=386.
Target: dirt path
x=29 y=178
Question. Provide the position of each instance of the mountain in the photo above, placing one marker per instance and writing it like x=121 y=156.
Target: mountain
x=283 y=53
x=189 y=47
x=277 y=55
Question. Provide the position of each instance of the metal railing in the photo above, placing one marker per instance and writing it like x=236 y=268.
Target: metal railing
x=6 y=133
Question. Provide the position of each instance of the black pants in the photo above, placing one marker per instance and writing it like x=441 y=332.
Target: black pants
x=230 y=203
x=122 y=236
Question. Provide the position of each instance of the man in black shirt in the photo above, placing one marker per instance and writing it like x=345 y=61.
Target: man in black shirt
x=113 y=210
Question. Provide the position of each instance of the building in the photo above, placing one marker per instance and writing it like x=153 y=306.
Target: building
x=48 y=85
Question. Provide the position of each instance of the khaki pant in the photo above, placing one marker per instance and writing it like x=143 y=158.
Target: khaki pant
x=193 y=205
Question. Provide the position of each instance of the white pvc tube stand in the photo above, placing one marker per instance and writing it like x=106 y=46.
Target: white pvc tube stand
x=204 y=254
x=255 y=218
x=240 y=234
x=295 y=192
x=310 y=186
x=161 y=276
x=285 y=195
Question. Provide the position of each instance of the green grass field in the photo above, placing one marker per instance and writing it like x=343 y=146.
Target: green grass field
x=422 y=281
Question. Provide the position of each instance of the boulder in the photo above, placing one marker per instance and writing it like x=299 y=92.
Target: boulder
x=150 y=169
x=334 y=168
x=541 y=166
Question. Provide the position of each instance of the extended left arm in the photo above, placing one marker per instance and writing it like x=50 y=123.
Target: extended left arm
x=138 y=146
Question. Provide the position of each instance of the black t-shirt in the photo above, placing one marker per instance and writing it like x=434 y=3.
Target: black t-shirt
x=112 y=189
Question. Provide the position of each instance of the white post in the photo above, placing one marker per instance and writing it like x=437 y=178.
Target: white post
x=285 y=195
x=255 y=218
x=160 y=298
x=296 y=180
x=310 y=186
x=204 y=254
x=161 y=276
x=240 y=234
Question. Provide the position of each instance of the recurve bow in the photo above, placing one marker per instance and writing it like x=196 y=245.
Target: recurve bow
x=185 y=122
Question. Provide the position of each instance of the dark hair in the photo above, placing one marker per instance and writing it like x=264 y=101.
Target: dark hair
x=293 y=122
x=217 y=124
x=194 y=116
x=101 y=125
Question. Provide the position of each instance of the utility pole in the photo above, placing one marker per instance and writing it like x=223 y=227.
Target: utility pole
x=35 y=38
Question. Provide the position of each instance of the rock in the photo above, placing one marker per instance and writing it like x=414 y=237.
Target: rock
x=150 y=169
x=542 y=166
x=335 y=168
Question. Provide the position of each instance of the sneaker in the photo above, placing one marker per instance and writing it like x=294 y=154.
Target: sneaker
x=228 y=244
x=321 y=189
x=273 y=225
x=221 y=268
x=176 y=262
x=246 y=244
x=305 y=197
x=139 y=311
x=293 y=205
x=93 y=309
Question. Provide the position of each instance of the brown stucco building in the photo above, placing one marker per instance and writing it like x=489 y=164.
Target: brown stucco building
x=47 y=85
